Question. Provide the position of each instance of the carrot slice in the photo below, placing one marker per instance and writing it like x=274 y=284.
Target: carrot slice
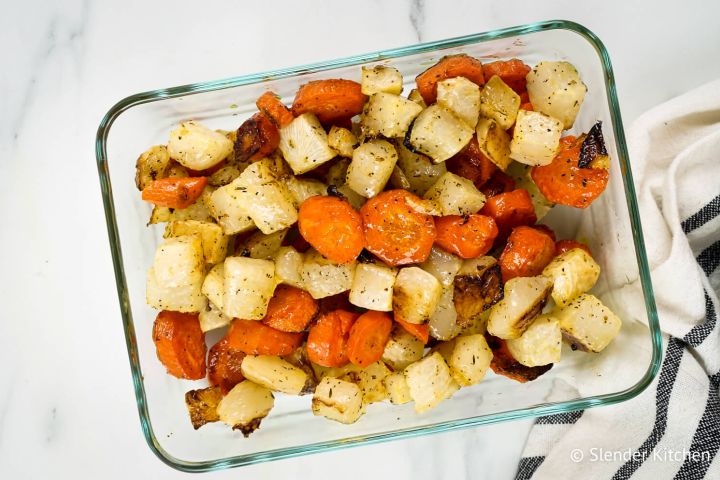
x=562 y=246
x=180 y=344
x=527 y=106
x=472 y=164
x=339 y=301
x=509 y=210
x=527 y=252
x=178 y=192
x=564 y=182
x=368 y=337
x=273 y=108
x=224 y=366
x=332 y=101
x=448 y=67
x=500 y=182
x=256 y=338
x=544 y=228
x=394 y=231
x=327 y=341
x=333 y=227
x=421 y=331
x=257 y=138
x=467 y=237
x=503 y=363
x=290 y=309
x=512 y=72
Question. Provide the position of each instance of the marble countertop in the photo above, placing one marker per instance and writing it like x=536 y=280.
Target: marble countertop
x=67 y=409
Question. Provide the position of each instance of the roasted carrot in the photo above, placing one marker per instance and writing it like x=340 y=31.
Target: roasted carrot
x=394 y=230
x=563 y=181
x=178 y=192
x=256 y=338
x=290 y=309
x=503 y=363
x=368 y=337
x=257 y=137
x=332 y=101
x=544 y=228
x=527 y=106
x=524 y=98
x=527 y=252
x=327 y=341
x=180 y=344
x=421 y=331
x=562 y=246
x=333 y=227
x=340 y=301
x=448 y=67
x=273 y=108
x=224 y=366
x=466 y=236
x=510 y=210
x=512 y=72
x=498 y=183
x=472 y=164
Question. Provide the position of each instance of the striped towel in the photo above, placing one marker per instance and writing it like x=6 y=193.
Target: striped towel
x=672 y=429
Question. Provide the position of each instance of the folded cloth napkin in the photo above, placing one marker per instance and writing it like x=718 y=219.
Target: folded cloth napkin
x=672 y=429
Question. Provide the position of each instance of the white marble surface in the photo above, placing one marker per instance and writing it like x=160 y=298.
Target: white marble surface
x=67 y=408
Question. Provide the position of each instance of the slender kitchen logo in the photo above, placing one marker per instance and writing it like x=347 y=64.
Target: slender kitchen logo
x=596 y=454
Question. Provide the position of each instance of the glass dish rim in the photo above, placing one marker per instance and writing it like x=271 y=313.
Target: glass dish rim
x=554 y=408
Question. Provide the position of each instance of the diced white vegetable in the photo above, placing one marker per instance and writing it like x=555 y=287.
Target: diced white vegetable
x=416 y=295
x=245 y=406
x=555 y=89
x=536 y=138
x=370 y=380
x=214 y=241
x=274 y=373
x=372 y=287
x=259 y=245
x=197 y=211
x=442 y=265
x=343 y=141
x=303 y=188
x=430 y=382
x=397 y=388
x=151 y=166
x=499 y=102
x=462 y=97
x=338 y=171
x=419 y=170
x=398 y=179
x=524 y=299
x=228 y=206
x=338 y=400
x=521 y=174
x=470 y=359
x=439 y=133
x=573 y=272
x=541 y=343
x=443 y=322
x=455 y=195
x=587 y=324
x=249 y=284
x=477 y=286
x=415 y=96
x=288 y=267
x=197 y=147
x=494 y=142
x=323 y=278
x=265 y=197
x=175 y=280
x=344 y=372
x=388 y=115
x=212 y=317
x=304 y=144
x=213 y=286
x=402 y=349
x=381 y=78
x=371 y=166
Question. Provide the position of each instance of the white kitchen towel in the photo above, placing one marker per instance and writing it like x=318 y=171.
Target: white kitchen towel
x=672 y=429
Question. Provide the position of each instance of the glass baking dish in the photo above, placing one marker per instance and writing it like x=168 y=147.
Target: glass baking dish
x=610 y=226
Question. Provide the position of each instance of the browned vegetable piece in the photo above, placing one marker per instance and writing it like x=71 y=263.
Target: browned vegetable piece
x=593 y=146
x=504 y=364
x=202 y=405
x=300 y=360
x=478 y=286
x=257 y=137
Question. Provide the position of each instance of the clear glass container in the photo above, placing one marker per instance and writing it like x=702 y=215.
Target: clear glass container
x=145 y=119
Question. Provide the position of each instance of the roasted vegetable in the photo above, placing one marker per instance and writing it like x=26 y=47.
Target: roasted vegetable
x=527 y=252
x=472 y=164
x=202 y=405
x=466 y=236
x=438 y=133
x=470 y=359
x=333 y=227
x=244 y=407
x=261 y=246
x=415 y=295
x=323 y=278
x=541 y=343
x=477 y=287
x=443 y=322
x=225 y=366
x=371 y=166
x=197 y=147
x=442 y=265
x=573 y=273
x=303 y=188
x=333 y=100
x=214 y=242
x=180 y=344
x=228 y=206
x=397 y=388
x=327 y=340
x=448 y=67
x=593 y=153
x=270 y=105
x=248 y=286
x=343 y=141
x=304 y=144
x=455 y=195
x=367 y=338
x=174 y=282
x=499 y=102
x=503 y=363
x=338 y=400
x=288 y=267
x=371 y=382
x=419 y=170
x=290 y=309
x=521 y=174
x=274 y=373
x=536 y=138
x=372 y=286
x=462 y=97
x=211 y=318
x=256 y=338
x=524 y=299
x=151 y=166
x=587 y=324
x=388 y=115
x=555 y=89
x=381 y=78
x=174 y=192
x=494 y=142
x=257 y=138
x=512 y=72
x=430 y=382
x=402 y=349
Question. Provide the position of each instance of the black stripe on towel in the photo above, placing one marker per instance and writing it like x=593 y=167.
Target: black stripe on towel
x=706 y=441
x=668 y=374
x=527 y=467
x=702 y=216
x=560 y=418
x=709 y=259
x=700 y=332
